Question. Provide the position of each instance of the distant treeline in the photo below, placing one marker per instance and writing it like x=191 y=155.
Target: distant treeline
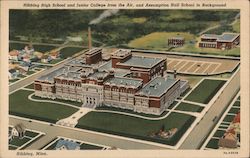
x=116 y=29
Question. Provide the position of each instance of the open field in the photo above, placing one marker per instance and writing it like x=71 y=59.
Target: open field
x=69 y=51
x=205 y=91
x=195 y=65
x=20 y=105
x=158 y=40
x=138 y=128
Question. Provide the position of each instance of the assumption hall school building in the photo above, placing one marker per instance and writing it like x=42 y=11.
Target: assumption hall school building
x=124 y=81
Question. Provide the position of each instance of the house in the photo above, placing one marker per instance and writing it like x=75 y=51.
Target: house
x=13 y=55
x=176 y=41
x=44 y=59
x=228 y=140
x=18 y=131
x=13 y=73
x=55 y=54
x=26 y=58
x=224 y=41
x=38 y=54
x=67 y=145
x=29 y=49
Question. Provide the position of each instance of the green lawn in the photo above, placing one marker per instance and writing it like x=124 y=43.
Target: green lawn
x=229 y=118
x=19 y=142
x=30 y=72
x=138 y=128
x=158 y=40
x=237 y=103
x=236 y=26
x=130 y=111
x=234 y=110
x=205 y=91
x=54 y=61
x=43 y=48
x=219 y=133
x=60 y=100
x=31 y=134
x=20 y=105
x=189 y=107
x=69 y=51
x=21 y=76
x=213 y=143
x=13 y=80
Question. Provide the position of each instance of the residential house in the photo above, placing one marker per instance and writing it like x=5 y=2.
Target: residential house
x=13 y=55
x=67 y=145
x=18 y=131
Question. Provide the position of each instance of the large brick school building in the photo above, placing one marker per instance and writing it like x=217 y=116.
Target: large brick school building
x=125 y=81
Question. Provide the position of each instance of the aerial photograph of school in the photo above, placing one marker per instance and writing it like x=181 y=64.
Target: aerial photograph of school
x=124 y=79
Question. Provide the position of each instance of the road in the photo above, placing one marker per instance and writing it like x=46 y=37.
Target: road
x=31 y=78
x=202 y=130
x=53 y=131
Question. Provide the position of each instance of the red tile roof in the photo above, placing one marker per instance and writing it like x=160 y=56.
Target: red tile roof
x=237 y=118
x=14 y=53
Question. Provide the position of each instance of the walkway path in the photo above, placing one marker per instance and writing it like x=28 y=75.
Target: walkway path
x=72 y=120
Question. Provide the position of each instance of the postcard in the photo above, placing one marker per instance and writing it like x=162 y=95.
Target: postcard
x=124 y=78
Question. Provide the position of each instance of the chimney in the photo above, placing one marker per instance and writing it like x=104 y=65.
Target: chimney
x=89 y=37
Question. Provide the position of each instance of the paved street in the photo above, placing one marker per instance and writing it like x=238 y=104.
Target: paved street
x=53 y=131
x=202 y=130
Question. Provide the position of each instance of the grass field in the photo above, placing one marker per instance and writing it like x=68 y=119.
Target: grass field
x=157 y=40
x=229 y=118
x=234 y=110
x=136 y=127
x=205 y=91
x=69 y=51
x=236 y=26
x=219 y=133
x=237 y=103
x=189 y=107
x=13 y=80
x=30 y=72
x=213 y=143
x=20 y=105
